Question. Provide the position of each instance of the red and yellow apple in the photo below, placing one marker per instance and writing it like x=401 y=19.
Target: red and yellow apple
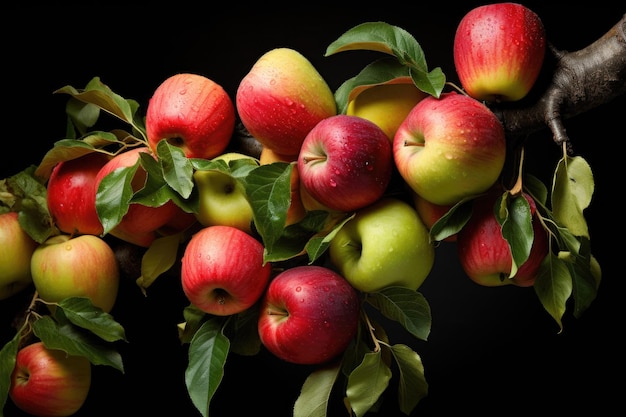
x=499 y=51
x=308 y=315
x=450 y=148
x=430 y=213
x=345 y=162
x=192 y=112
x=17 y=249
x=282 y=98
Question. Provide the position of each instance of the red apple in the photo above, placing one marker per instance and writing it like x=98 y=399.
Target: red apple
x=430 y=213
x=345 y=162
x=282 y=98
x=71 y=194
x=192 y=112
x=309 y=315
x=140 y=223
x=48 y=382
x=450 y=148
x=485 y=255
x=499 y=51
x=17 y=249
x=223 y=270
x=81 y=266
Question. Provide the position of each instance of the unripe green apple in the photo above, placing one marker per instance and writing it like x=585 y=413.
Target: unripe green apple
x=81 y=266
x=385 y=244
x=17 y=249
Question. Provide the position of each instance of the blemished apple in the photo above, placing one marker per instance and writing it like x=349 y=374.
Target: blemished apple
x=17 y=249
x=345 y=162
x=81 y=266
x=222 y=199
x=49 y=382
x=140 y=223
x=282 y=98
x=485 y=255
x=192 y=112
x=387 y=105
x=223 y=271
x=71 y=194
x=385 y=244
x=499 y=51
x=450 y=148
x=308 y=315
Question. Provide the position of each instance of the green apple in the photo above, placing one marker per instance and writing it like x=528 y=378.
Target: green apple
x=17 y=248
x=84 y=266
x=223 y=199
x=385 y=244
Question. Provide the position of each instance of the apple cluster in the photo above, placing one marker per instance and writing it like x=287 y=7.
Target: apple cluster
x=342 y=205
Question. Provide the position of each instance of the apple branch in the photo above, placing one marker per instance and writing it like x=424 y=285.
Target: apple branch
x=580 y=81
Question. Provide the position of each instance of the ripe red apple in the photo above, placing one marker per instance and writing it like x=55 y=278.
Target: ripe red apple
x=309 y=315
x=48 y=382
x=223 y=270
x=71 y=194
x=80 y=266
x=345 y=162
x=140 y=223
x=192 y=112
x=450 y=148
x=17 y=249
x=281 y=98
x=485 y=255
x=498 y=51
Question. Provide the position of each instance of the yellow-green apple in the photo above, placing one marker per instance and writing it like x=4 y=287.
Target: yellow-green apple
x=450 y=148
x=385 y=244
x=17 y=249
x=192 y=112
x=81 y=266
x=71 y=194
x=387 y=105
x=485 y=255
x=140 y=223
x=430 y=213
x=308 y=315
x=345 y=162
x=223 y=271
x=222 y=198
x=498 y=51
x=49 y=382
x=281 y=98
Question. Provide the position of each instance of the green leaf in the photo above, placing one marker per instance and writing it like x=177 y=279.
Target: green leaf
x=74 y=340
x=242 y=331
x=412 y=385
x=572 y=190
x=194 y=318
x=367 y=382
x=81 y=312
x=177 y=169
x=7 y=363
x=406 y=306
x=318 y=244
x=452 y=222
x=315 y=394
x=553 y=286
x=113 y=196
x=160 y=256
x=208 y=351
x=513 y=214
x=155 y=191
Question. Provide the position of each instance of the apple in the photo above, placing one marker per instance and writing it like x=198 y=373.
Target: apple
x=223 y=271
x=308 y=315
x=71 y=194
x=192 y=112
x=485 y=255
x=282 y=98
x=17 y=249
x=387 y=105
x=223 y=200
x=430 y=213
x=345 y=162
x=140 y=224
x=498 y=51
x=385 y=244
x=81 y=266
x=49 y=382
x=268 y=156
x=450 y=148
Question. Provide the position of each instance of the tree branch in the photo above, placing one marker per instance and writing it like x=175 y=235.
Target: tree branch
x=580 y=81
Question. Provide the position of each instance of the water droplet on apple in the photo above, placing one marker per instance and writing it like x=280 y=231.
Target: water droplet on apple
x=298 y=288
x=333 y=183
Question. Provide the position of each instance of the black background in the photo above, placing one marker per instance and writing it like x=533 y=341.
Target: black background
x=491 y=351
